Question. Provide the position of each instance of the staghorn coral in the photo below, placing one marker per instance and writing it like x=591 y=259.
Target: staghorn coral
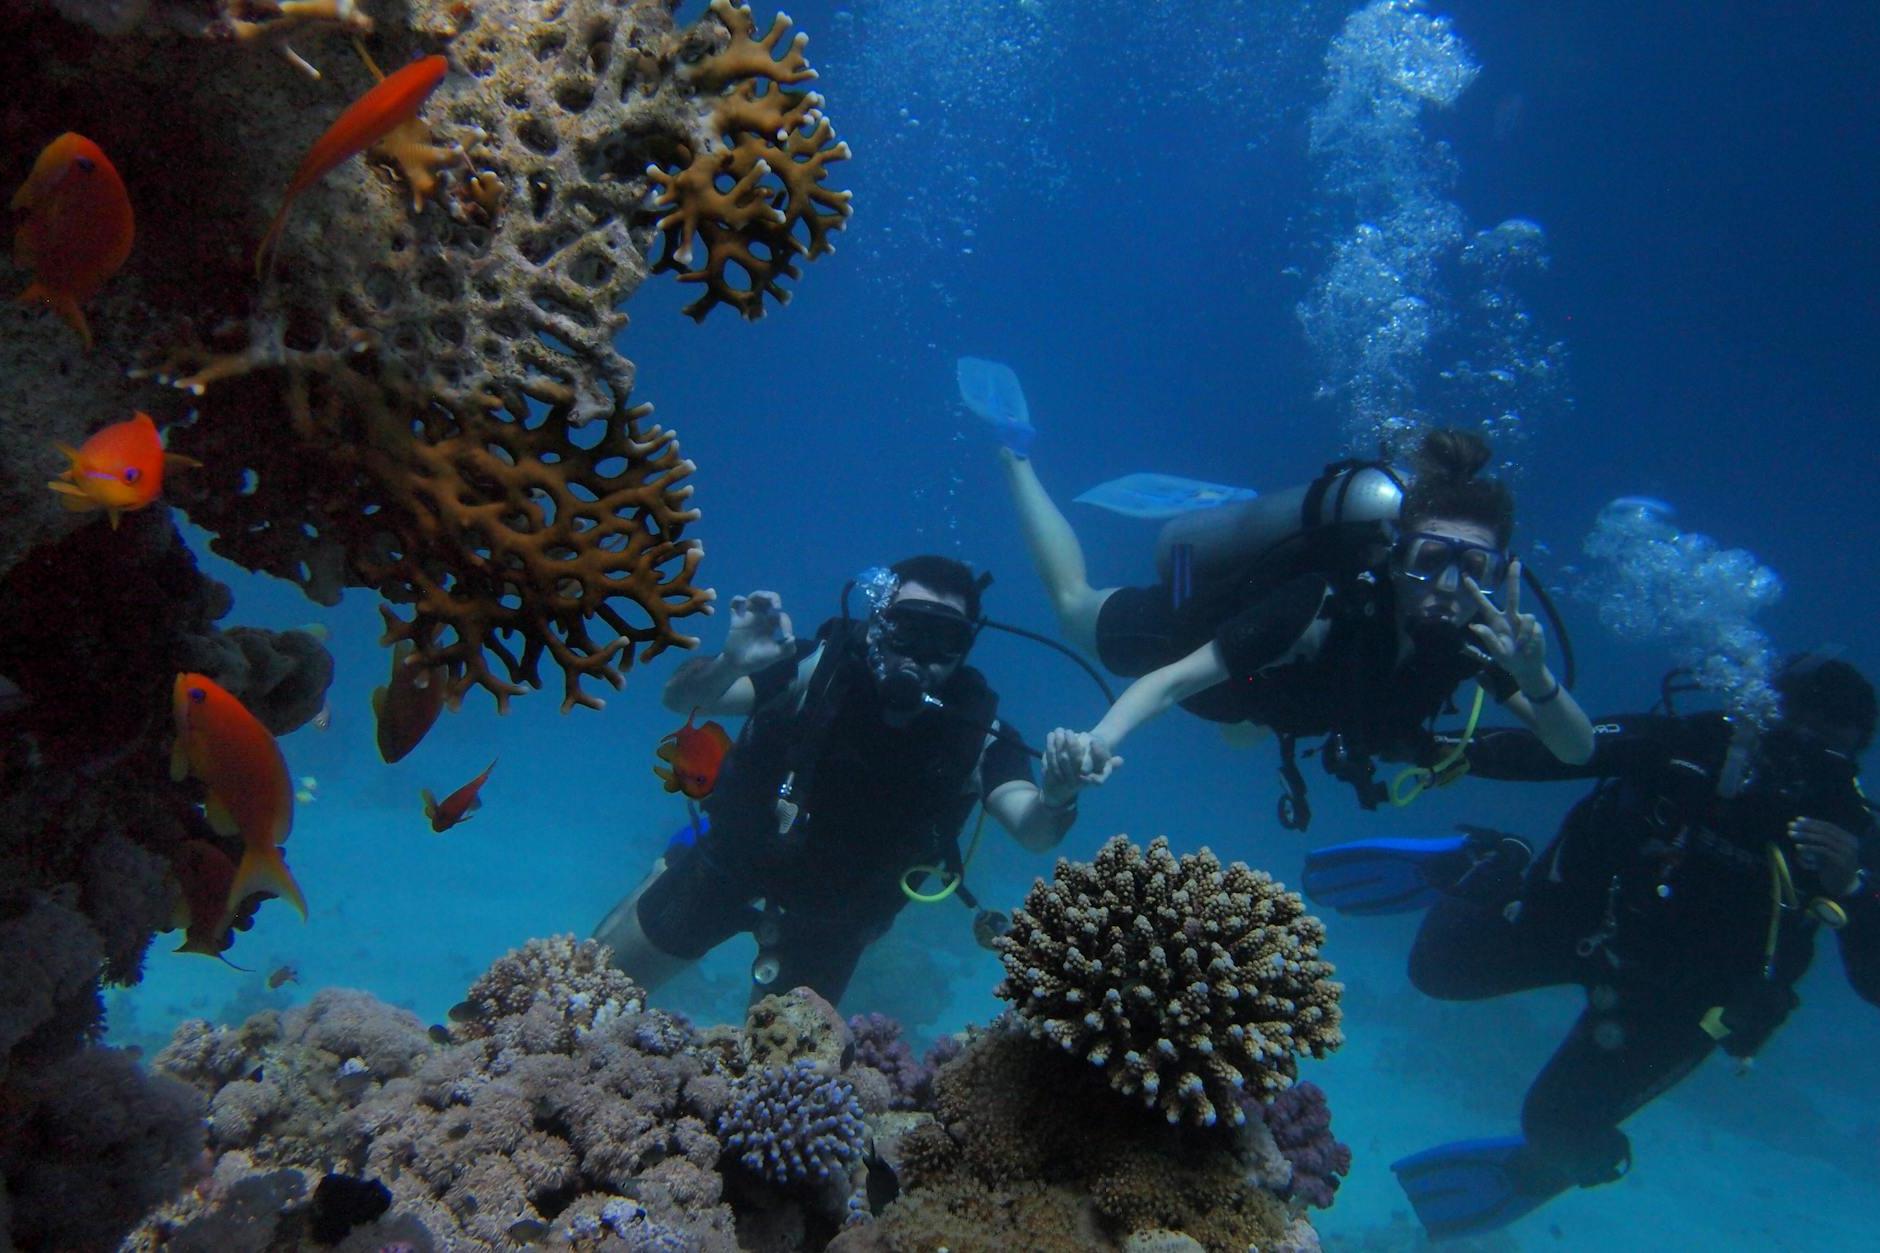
x=793 y=1125
x=1185 y=982
x=751 y=188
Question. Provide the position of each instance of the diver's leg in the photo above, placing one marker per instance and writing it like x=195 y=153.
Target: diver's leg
x=1617 y=1058
x=678 y=914
x=1055 y=552
x=1469 y=948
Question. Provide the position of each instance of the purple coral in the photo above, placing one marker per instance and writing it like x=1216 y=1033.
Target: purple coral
x=879 y=1044
x=793 y=1124
x=1301 y=1123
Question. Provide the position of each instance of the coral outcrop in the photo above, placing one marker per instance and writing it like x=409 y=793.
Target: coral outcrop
x=559 y=1109
x=1301 y=1123
x=403 y=406
x=1027 y=1149
x=1187 y=983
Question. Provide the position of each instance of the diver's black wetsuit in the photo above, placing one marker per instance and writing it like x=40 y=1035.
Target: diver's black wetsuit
x=875 y=800
x=1352 y=686
x=1656 y=896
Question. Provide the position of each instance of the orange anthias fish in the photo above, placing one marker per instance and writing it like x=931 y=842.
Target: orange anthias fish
x=393 y=102
x=458 y=805
x=406 y=707
x=204 y=874
x=119 y=469
x=250 y=794
x=694 y=755
x=77 y=229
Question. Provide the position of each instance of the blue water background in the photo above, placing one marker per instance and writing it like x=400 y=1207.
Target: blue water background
x=1120 y=205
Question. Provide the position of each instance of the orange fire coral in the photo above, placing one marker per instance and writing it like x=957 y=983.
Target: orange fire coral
x=753 y=189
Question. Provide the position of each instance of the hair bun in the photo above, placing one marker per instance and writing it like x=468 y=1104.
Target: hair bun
x=1453 y=454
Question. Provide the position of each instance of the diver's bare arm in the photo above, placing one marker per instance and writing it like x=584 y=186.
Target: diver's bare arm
x=1022 y=810
x=1154 y=692
x=711 y=684
x=1559 y=722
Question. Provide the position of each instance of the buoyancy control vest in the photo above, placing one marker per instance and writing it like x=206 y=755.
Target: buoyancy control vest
x=817 y=782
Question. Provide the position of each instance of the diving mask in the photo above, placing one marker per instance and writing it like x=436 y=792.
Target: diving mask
x=1424 y=557
x=926 y=632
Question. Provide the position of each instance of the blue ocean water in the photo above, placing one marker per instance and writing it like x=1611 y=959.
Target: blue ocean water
x=1129 y=204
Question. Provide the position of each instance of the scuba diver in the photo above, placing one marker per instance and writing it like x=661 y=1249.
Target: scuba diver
x=843 y=799
x=1685 y=894
x=1349 y=608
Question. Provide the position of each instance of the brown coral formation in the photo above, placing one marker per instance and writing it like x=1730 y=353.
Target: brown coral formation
x=1187 y=983
x=752 y=189
x=1026 y=1150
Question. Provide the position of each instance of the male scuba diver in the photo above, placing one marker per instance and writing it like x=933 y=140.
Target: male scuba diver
x=843 y=799
x=1685 y=894
x=1349 y=608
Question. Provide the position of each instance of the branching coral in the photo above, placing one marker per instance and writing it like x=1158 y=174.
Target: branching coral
x=751 y=187
x=1186 y=982
x=544 y=995
x=793 y=1125
x=1301 y=1123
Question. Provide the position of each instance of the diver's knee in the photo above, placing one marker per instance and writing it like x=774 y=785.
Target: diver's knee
x=1436 y=972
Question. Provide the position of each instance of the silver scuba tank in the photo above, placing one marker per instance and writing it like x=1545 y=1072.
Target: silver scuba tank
x=1223 y=539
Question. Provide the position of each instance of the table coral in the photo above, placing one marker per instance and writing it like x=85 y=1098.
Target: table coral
x=1186 y=983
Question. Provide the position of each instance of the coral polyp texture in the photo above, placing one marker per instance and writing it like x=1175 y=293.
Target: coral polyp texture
x=793 y=1125
x=1187 y=983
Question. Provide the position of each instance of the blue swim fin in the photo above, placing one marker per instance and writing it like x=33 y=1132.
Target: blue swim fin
x=1468 y=1186
x=1384 y=876
x=991 y=390
x=1149 y=495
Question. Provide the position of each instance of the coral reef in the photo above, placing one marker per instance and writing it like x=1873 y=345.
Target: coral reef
x=1301 y=1123
x=1028 y=1149
x=793 y=1125
x=879 y=1045
x=1186 y=983
x=558 y=1109
x=441 y=332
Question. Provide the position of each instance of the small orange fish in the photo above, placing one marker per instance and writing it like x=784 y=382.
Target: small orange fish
x=694 y=755
x=283 y=976
x=119 y=469
x=405 y=708
x=250 y=794
x=458 y=806
x=204 y=875
x=77 y=230
x=393 y=102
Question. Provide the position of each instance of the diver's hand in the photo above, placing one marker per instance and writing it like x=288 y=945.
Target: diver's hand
x=1063 y=776
x=1513 y=640
x=1090 y=756
x=760 y=633
x=1832 y=852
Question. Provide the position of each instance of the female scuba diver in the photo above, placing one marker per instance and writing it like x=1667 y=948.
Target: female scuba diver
x=1349 y=608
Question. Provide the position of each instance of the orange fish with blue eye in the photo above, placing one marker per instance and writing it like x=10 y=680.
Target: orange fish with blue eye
x=77 y=228
x=458 y=806
x=393 y=102
x=693 y=757
x=250 y=794
x=118 y=470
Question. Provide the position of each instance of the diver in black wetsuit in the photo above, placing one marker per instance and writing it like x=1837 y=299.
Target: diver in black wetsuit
x=1351 y=609
x=864 y=753
x=1685 y=894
